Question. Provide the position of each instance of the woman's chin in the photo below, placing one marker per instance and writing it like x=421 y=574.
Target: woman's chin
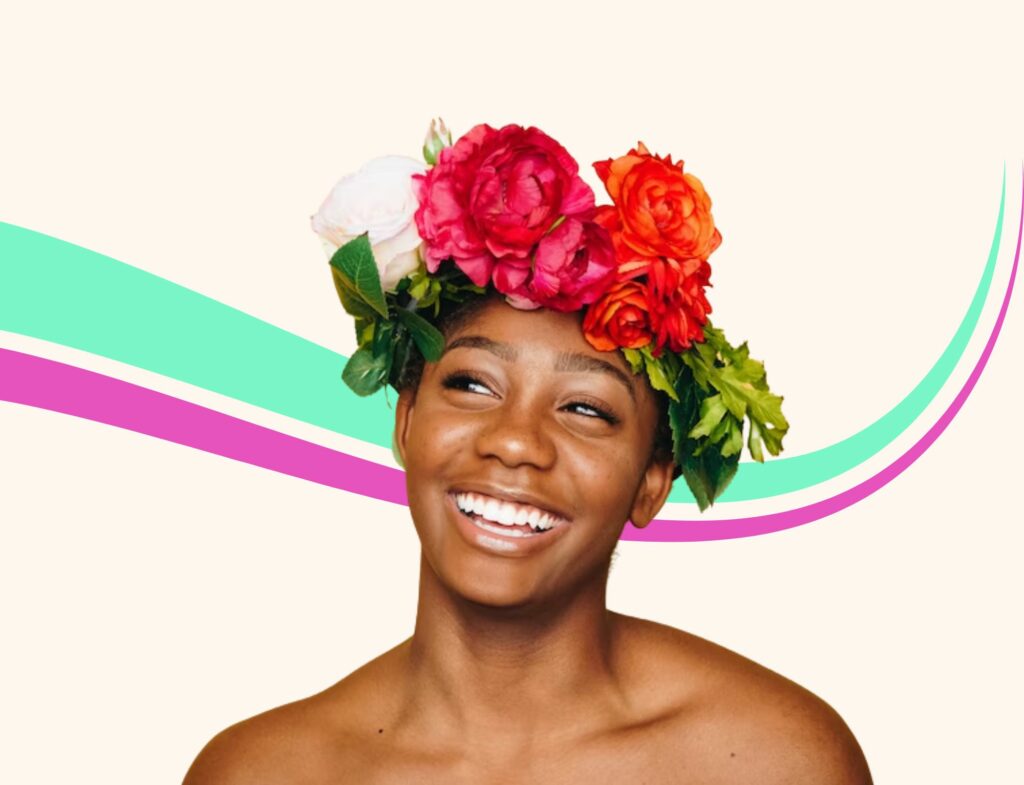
x=487 y=587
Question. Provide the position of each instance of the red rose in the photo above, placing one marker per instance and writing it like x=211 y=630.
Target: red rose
x=678 y=307
x=620 y=319
x=493 y=196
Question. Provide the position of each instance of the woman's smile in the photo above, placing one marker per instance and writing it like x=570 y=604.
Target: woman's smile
x=504 y=527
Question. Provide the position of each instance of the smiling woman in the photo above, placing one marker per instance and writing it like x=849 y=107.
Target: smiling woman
x=528 y=445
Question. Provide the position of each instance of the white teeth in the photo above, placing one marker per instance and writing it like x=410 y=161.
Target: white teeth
x=491 y=509
x=505 y=513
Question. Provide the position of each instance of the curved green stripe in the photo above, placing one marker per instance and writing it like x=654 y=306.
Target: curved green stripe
x=785 y=475
x=59 y=292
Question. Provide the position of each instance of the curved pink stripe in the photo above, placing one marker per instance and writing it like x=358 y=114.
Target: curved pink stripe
x=47 y=384
x=660 y=530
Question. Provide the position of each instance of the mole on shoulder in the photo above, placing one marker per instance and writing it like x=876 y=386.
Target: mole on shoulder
x=732 y=754
x=380 y=730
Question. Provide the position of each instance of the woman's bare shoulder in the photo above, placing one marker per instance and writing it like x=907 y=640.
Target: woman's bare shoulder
x=751 y=721
x=277 y=746
x=322 y=738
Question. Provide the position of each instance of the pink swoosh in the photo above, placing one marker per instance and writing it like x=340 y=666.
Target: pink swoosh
x=47 y=384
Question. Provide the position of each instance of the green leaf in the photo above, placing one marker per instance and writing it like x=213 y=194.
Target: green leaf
x=683 y=415
x=721 y=470
x=698 y=367
x=350 y=299
x=709 y=475
x=658 y=378
x=696 y=480
x=733 y=443
x=364 y=373
x=364 y=330
x=403 y=344
x=355 y=260
x=634 y=358
x=773 y=439
x=712 y=410
x=754 y=442
x=381 y=344
x=419 y=288
x=720 y=430
x=428 y=338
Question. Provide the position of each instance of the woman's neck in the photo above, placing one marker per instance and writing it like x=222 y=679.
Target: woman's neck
x=514 y=674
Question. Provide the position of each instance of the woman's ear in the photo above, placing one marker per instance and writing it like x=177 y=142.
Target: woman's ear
x=403 y=420
x=653 y=491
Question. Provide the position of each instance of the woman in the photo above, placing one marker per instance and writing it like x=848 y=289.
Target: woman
x=527 y=449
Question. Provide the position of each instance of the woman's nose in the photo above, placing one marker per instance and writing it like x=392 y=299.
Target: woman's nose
x=518 y=435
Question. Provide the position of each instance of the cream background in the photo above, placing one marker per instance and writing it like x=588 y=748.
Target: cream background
x=154 y=594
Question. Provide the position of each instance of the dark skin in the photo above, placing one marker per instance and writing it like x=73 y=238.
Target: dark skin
x=516 y=671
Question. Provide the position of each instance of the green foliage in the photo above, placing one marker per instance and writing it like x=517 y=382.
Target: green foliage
x=634 y=358
x=661 y=371
x=428 y=338
x=391 y=327
x=715 y=388
x=364 y=373
x=712 y=411
x=358 y=275
x=350 y=299
x=742 y=383
x=405 y=349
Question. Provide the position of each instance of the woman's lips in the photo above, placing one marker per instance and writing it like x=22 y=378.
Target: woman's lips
x=505 y=539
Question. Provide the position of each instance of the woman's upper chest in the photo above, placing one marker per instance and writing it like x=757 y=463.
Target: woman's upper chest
x=650 y=756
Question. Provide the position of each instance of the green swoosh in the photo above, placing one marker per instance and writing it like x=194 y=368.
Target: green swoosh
x=60 y=292
x=759 y=481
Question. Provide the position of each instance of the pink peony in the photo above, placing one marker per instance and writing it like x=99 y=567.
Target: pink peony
x=492 y=197
x=573 y=266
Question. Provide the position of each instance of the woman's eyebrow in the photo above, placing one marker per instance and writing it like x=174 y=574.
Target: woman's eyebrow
x=567 y=361
x=584 y=362
x=502 y=350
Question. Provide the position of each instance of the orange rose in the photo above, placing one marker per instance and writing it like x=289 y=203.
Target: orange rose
x=664 y=211
x=620 y=319
x=630 y=263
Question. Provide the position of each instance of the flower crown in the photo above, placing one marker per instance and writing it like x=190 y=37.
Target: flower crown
x=506 y=210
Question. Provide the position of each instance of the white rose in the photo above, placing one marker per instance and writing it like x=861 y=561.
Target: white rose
x=378 y=199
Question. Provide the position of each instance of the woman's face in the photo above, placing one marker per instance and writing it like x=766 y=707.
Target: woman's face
x=522 y=420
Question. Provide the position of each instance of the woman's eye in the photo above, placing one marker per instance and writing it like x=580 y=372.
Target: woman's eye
x=462 y=381
x=589 y=410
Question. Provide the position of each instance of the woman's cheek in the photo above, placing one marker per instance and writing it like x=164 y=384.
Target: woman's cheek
x=612 y=476
x=444 y=439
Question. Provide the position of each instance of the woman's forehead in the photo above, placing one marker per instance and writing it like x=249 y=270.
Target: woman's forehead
x=526 y=333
